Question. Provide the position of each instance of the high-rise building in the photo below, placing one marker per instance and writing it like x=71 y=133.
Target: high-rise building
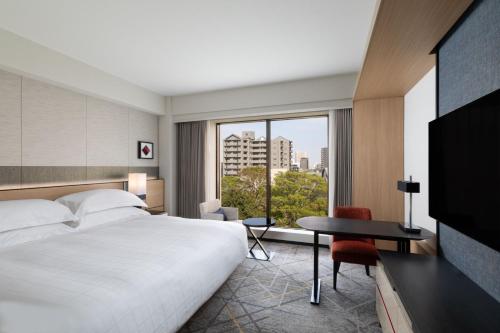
x=281 y=153
x=246 y=150
x=324 y=158
x=298 y=155
x=304 y=163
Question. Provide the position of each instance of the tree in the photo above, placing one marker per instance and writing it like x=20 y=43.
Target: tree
x=246 y=191
x=298 y=194
x=293 y=195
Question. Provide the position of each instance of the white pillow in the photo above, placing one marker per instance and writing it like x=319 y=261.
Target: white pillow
x=110 y=215
x=19 y=236
x=18 y=214
x=87 y=202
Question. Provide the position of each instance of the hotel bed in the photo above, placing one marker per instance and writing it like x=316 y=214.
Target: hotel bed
x=137 y=274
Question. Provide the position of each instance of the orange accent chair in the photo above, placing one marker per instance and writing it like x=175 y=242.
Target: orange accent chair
x=360 y=251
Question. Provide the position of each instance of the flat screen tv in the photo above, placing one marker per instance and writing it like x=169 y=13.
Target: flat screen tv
x=464 y=169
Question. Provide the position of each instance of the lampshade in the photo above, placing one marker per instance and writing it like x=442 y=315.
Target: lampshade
x=408 y=187
x=137 y=183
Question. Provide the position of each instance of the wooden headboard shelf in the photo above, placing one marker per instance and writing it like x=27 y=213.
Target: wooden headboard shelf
x=154 y=199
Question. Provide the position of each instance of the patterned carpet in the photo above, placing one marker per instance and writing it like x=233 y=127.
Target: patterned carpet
x=274 y=297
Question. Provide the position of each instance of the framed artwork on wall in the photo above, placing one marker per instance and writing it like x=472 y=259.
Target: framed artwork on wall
x=145 y=150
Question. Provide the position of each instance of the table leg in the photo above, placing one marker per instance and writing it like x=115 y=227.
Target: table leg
x=404 y=246
x=260 y=238
x=257 y=241
x=317 y=282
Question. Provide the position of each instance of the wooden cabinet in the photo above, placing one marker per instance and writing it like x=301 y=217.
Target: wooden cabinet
x=391 y=313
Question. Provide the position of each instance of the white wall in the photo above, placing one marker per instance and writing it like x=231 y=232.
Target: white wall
x=420 y=109
x=286 y=97
x=29 y=59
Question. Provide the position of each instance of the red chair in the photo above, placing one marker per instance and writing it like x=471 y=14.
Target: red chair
x=353 y=250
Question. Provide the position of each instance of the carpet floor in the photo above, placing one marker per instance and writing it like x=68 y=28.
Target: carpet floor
x=274 y=297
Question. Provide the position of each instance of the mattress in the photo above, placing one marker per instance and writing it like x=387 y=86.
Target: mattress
x=145 y=274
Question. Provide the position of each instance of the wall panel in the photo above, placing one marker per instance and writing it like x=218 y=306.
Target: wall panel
x=54 y=136
x=107 y=134
x=469 y=68
x=378 y=158
x=10 y=130
x=142 y=127
x=53 y=125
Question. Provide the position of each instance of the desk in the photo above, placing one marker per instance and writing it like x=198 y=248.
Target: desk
x=356 y=228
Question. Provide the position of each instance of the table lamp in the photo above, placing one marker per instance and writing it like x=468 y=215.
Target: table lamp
x=137 y=183
x=409 y=187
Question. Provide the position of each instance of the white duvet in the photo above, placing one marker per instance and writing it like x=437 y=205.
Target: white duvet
x=147 y=274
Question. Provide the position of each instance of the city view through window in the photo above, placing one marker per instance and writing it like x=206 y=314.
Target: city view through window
x=298 y=168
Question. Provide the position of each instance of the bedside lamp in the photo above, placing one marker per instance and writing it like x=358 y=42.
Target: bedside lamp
x=409 y=187
x=137 y=183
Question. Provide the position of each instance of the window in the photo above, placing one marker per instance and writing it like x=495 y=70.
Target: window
x=294 y=159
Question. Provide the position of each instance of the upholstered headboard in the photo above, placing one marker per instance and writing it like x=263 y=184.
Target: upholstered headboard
x=154 y=199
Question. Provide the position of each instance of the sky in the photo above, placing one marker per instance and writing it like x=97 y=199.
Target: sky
x=307 y=134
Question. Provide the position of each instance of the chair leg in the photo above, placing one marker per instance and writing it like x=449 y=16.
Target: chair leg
x=336 y=267
x=367 y=268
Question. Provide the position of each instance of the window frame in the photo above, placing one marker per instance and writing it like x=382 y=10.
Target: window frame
x=268 y=121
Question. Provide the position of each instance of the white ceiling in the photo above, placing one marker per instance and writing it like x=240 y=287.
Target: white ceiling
x=186 y=46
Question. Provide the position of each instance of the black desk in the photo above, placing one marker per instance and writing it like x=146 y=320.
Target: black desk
x=356 y=228
x=438 y=297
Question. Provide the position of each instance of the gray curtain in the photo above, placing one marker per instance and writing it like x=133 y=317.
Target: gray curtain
x=190 y=168
x=343 y=157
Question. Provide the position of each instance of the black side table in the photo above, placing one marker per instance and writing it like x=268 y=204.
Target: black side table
x=259 y=222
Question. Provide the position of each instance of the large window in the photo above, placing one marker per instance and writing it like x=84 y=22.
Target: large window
x=275 y=168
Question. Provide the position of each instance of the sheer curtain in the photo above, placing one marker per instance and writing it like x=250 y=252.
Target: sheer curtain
x=211 y=161
x=191 y=155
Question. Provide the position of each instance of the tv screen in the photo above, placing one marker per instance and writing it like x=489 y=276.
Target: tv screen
x=464 y=169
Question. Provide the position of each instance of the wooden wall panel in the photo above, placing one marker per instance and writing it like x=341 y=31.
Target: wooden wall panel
x=155 y=191
x=403 y=36
x=54 y=192
x=378 y=158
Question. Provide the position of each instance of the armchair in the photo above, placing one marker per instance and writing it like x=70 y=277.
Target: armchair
x=212 y=210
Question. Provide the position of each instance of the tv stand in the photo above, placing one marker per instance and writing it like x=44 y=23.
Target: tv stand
x=417 y=293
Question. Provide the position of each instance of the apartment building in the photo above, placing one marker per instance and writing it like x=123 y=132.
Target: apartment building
x=246 y=150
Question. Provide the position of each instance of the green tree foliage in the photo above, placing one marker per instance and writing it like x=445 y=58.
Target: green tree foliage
x=246 y=191
x=294 y=195
x=298 y=194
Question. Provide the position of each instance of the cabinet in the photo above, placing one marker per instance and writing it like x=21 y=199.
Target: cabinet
x=392 y=315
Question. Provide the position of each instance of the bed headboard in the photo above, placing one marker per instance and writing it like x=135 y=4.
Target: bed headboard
x=154 y=198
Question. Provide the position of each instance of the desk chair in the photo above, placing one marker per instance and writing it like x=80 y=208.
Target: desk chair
x=353 y=250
